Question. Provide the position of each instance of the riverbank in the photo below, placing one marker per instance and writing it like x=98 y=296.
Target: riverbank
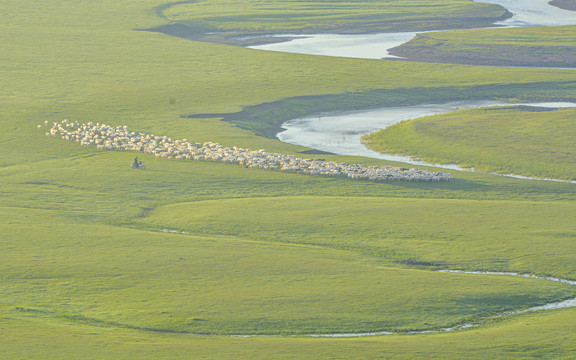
x=187 y=22
x=564 y=4
x=552 y=47
x=267 y=119
x=522 y=140
x=420 y=50
x=568 y=303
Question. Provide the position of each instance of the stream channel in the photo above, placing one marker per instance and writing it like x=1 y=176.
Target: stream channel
x=340 y=133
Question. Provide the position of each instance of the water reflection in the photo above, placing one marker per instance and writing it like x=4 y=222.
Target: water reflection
x=365 y=46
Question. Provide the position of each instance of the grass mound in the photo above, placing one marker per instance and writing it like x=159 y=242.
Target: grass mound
x=518 y=140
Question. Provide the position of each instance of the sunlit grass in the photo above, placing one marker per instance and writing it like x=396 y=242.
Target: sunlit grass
x=522 y=36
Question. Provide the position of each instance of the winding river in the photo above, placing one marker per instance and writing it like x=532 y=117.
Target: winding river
x=340 y=133
x=376 y=46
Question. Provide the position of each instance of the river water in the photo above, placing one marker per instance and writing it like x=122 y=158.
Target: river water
x=534 y=13
x=341 y=133
x=376 y=46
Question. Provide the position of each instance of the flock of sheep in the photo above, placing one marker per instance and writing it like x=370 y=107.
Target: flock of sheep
x=119 y=138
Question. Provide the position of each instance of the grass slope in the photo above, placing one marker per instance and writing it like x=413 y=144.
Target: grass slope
x=519 y=140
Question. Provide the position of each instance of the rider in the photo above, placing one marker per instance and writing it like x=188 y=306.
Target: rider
x=136 y=164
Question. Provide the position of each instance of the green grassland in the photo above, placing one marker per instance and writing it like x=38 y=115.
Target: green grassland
x=86 y=272
x=108 y=276
x=518 y=140
x=532 y=46
x=527 y=36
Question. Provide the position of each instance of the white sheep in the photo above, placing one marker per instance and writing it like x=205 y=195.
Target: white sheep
x=119 y=138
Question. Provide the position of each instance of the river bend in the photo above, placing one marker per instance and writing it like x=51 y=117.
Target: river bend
x=376 y=46
x=341 y=133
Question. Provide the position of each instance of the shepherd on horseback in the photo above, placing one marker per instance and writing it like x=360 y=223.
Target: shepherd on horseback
x=137 y=164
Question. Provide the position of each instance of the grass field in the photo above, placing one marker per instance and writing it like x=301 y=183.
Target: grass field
x=464 y=234
x=218 y=285
x=514 y=140
x=86 y=271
